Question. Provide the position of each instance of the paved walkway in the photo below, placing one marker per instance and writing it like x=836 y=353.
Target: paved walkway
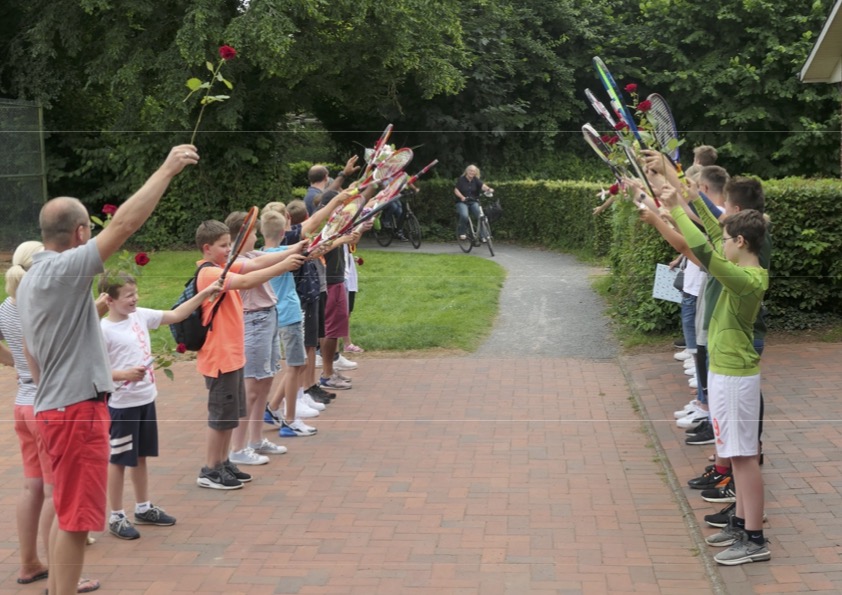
x=529 y=474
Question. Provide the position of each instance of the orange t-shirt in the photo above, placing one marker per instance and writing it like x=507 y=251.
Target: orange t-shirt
x=224 y=349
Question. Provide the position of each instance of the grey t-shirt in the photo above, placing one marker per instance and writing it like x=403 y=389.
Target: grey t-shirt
x=61 y=327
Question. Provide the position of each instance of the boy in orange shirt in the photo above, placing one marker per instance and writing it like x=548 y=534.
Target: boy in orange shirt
x=222 y=358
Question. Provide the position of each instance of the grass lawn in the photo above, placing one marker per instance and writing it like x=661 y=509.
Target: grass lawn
x=406 y=301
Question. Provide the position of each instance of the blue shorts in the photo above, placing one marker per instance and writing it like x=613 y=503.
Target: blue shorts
x=133 y=434
x=263 y=353
x=292 y=339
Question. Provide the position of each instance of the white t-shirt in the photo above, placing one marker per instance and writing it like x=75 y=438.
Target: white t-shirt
x=128 y=346
x=693 y=277
x=350 y=270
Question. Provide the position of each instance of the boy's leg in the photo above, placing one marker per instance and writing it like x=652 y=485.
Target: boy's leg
x=116 y=478
x=139 y=476
x=750 y=497
x=32 y=497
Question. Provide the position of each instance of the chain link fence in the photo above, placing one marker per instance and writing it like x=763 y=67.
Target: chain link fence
x=23 y=184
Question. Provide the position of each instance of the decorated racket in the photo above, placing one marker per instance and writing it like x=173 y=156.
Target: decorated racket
x=603 y=151
x=377 y=151
x=338 y=223
x=390 y=193
x=388 y=168
x=617 y=99
x=237 y=247
x=600 y=108
x=666 y=132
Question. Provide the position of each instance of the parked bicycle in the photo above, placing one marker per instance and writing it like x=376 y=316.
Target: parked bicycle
x=405 y=228
x=476 y=233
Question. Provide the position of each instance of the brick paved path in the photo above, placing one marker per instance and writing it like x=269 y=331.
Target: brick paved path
x=467 y=475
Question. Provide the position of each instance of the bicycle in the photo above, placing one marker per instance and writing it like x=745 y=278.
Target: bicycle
x=407 y=223
x=476 y=235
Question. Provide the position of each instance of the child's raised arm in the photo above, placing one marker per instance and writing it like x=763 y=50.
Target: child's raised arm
x=184 y=310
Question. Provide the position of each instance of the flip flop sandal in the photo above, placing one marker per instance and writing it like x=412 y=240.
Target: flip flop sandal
x=35 y=577
x=87 y=585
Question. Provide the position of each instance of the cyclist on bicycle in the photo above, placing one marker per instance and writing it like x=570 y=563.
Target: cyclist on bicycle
x=394 y=208
x=468 y=188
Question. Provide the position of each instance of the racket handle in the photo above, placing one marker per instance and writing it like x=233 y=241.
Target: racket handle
x=414 y=178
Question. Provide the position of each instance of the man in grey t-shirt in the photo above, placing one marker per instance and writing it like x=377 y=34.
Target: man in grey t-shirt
x=66 y=353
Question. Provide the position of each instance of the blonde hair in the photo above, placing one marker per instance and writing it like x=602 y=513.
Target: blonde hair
x=274 y=224
x=465 y=173
x=21 y=262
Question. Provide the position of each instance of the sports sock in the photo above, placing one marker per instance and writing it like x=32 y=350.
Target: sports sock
x=117 y=514
x=723 y=470
x=142 y=507
x=738 y=522
x=756 y=536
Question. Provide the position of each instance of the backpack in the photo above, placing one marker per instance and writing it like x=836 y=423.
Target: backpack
x=191 y=332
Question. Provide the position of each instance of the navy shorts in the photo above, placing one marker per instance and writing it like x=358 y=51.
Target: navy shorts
x=133 y=434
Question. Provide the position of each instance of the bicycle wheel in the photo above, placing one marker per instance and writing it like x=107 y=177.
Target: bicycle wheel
x=412 y=230
x=468 y=243
x=384 y=235
x=485 y=230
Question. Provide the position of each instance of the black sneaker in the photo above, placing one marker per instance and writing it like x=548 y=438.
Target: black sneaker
x=121 y=527
x=726 y=494
x=703 y=437
x=154 y=516
x=709 y=479
x=320 y=394
x=235 y=471
x=679 y=344
x=702 y=427
x=723 y=517
x=218 y=478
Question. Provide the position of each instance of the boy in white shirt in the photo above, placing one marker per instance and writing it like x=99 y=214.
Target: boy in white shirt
x=134 y=428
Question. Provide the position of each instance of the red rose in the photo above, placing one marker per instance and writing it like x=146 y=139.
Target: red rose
x=141 y=258
x=615 y=189
x=109 y=209
x=644 y=106
x=181 y=348
x=631 y=88
x=226 y=52
x=620 y=125
x=359 y=261
x=613 y=140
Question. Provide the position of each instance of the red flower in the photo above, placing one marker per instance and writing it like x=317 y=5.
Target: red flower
x=615 y=189
x=620 y=125
x=631 y=88
x=109 y=209
x=226 y=52
x=644 y=106
x=181 y=348
x=141 y=258
x=359 y=261
x=613 y=140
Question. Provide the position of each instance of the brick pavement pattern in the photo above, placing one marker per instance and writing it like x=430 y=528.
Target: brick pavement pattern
x=478 y=475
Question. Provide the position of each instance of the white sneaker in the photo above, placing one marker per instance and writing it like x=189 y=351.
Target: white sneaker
x=690 y=371
x=692 y=421
x=682 y=355
x=318 y=361
x=247 y=456
x=308 y=400
x=300 y=426
x=303 y=411
x=693 y=383
x=264 y=447
x=689 y=363
x=342 y=363
x=693 y=404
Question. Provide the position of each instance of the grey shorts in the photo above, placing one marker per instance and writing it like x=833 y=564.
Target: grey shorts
x=226 y=400
x=292 y=340
x=263 y=351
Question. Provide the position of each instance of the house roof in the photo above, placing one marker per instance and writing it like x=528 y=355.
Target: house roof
x=824 y=65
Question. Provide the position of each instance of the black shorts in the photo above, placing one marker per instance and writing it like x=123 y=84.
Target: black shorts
x=351 y=298
x=322 y=302
x=133 y=434
x=310 y=313
x=226 y=400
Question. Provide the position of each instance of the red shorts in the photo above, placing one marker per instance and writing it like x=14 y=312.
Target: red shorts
x=77 y=443
x=336 y=312
x=36 y=461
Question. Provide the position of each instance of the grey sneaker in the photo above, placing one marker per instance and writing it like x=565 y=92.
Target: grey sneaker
x=728 y=536
x=154 y=516
x=218 y=479
x=744 y=551
x=122 y=528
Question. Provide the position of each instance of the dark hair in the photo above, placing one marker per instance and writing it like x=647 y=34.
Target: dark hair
x=745 y=193
x=714 y=176
x=111 y=282
x=209 y=232
x=750 y=224
x=317 y=173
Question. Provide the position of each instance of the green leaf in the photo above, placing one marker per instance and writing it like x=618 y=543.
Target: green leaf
x=169 y=373
x=210 y=66
x=194 y=84
x=228 y=84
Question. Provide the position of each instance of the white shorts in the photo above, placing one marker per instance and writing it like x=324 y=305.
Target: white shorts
x=734 y=403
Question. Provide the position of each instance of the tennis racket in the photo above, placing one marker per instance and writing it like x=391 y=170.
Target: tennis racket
x=237 y=247
x=600 y=108
x=390 y=193
x=338 y=223
x=603 y=151
x=377 y=151
x=616 y=99
x=666 y=132
x=387 y=169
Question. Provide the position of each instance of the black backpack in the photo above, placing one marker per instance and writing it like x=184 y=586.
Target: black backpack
x=191 y=332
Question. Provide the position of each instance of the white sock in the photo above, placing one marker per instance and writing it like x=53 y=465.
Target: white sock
x=117 y=514
x=142 y=507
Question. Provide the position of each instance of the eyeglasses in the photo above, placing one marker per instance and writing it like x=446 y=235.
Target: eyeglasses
x=726 y=238
x=91 y=225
